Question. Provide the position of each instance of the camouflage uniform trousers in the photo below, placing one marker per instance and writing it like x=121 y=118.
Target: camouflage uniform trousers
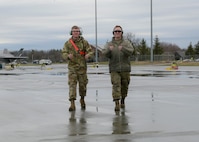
x=77 y=76
x=120 y=82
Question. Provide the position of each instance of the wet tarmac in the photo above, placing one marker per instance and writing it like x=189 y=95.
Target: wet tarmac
x=162 y=106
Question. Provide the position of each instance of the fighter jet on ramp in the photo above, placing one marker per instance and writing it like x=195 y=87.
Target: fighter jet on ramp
x=8 y=58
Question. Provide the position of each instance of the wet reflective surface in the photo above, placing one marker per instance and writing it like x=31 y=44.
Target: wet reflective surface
x=120 y=124
x=162 y=106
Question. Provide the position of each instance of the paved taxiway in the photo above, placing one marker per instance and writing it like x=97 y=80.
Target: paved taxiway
x=162 y=106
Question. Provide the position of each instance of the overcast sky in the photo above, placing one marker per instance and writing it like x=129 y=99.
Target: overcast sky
x=45 y=24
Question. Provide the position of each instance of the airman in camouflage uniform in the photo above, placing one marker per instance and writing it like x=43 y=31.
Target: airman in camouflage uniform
x=119 y=51
x=77 y=65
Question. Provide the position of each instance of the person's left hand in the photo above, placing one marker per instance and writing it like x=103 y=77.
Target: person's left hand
x=86 y=56
x=111 y=47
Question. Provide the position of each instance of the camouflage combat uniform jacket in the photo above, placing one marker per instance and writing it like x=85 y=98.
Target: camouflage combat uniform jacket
x=78 y=60
x=119 y=60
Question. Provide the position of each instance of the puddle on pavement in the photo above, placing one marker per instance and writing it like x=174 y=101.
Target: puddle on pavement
x=184 y=74
x=141 y=73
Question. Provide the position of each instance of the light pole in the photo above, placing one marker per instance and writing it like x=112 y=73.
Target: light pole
x=96 y=52
x=151 y=32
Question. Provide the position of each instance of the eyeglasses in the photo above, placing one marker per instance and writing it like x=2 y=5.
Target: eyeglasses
x=75 y=31
x=117 y=31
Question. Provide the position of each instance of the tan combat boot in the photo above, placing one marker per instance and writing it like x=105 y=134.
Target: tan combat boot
x=117 y=105
x=72 y=107
x=122 y=104
x=82 y=102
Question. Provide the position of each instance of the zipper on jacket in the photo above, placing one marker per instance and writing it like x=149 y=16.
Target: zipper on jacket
x=120 y=60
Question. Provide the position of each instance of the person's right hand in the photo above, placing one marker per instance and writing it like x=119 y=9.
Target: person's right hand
x=111 y=47
x=70 y=56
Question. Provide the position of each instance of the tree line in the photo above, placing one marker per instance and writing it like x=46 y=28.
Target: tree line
x=140 y=45
x=160 y=48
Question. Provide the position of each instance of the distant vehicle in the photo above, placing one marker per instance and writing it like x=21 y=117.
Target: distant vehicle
x=35 y=62
x=45 y=62
x=197 y=60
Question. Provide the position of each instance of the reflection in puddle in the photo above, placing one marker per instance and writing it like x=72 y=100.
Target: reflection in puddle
x=120 y=124
x=148 y=73
x=77 y=126
x=153 y=73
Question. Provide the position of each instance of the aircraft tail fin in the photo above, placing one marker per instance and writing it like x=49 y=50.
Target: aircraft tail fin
x=20 y=52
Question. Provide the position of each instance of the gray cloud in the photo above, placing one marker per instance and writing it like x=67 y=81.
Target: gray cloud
x=36 y=24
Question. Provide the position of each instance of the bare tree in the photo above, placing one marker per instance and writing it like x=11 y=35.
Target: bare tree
x=169 y=48
x=134 y=41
